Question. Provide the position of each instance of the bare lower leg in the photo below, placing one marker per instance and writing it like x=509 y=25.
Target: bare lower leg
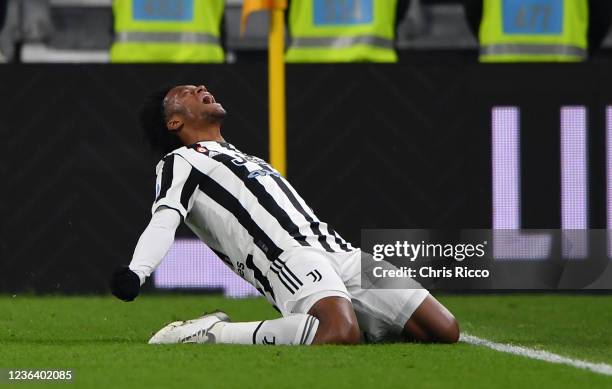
x=432 y=322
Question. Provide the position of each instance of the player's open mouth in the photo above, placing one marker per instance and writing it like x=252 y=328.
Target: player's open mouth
x=208 y=99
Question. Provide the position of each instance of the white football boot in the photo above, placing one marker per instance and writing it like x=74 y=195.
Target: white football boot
x=190 y=331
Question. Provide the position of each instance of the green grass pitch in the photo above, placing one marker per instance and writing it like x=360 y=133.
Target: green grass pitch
x=104 y=342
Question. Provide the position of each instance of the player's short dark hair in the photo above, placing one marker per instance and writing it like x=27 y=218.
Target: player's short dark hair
x=153 y=116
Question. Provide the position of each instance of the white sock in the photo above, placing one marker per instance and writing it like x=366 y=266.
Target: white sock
x=295 y=329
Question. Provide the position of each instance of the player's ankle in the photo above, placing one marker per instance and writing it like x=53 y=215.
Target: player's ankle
x=217 y=329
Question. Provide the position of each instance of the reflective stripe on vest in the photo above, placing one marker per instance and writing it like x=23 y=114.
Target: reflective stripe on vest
x=345 y=41
x=166 y=37
x=533 y=49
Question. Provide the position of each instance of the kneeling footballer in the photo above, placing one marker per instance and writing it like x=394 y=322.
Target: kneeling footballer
x=256 y=223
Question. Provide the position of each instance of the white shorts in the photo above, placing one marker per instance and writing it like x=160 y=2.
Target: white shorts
x=311 y=274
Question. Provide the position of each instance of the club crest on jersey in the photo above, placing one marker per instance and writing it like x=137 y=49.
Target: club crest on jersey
x=201 y=149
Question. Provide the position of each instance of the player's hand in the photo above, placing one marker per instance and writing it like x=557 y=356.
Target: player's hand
x=125 y=284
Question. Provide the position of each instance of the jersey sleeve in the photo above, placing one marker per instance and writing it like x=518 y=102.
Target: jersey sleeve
x=154 y=243
x=176 y=183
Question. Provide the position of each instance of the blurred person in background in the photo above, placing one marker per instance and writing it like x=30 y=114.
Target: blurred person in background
x=538 y=30
x=3 y=6
x=344 y=31
x=3 y=11
x=168 y=31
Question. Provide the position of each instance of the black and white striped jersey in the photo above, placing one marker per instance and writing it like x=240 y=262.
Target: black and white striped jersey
x=241 y=207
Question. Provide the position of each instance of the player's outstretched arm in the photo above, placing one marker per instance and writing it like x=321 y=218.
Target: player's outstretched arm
x=152 y=247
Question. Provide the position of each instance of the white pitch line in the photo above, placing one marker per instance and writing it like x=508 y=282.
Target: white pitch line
x=601 y=368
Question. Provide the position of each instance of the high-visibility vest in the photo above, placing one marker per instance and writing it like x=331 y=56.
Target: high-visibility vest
x=534 y=30
x=342 y=31
x=167 y=31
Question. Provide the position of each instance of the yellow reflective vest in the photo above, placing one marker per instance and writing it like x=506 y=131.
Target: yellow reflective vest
x=534 y=30
x=167 y=31
x=342 y=31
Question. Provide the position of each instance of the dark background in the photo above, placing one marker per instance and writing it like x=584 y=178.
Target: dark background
x=369 y=146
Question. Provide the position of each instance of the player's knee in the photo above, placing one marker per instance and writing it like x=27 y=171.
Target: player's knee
x=450 y=332
x=337 y=321
x=339 y=330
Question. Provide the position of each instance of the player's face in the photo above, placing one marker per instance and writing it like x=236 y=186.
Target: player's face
x=196 y=102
